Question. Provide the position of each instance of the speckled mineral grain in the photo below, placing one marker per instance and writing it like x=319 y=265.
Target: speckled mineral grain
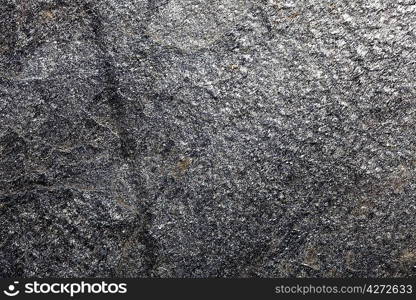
x=196 y=138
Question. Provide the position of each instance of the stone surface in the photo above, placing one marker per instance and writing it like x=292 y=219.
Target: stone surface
x=195 y=138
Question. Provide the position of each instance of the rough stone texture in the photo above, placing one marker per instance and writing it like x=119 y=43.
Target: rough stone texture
x=196 y=138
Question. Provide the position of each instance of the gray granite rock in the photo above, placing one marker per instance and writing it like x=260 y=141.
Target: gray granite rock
x=196 y=138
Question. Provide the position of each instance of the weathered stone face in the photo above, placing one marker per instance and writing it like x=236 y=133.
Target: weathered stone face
x=192 y=25
x=207 y=138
